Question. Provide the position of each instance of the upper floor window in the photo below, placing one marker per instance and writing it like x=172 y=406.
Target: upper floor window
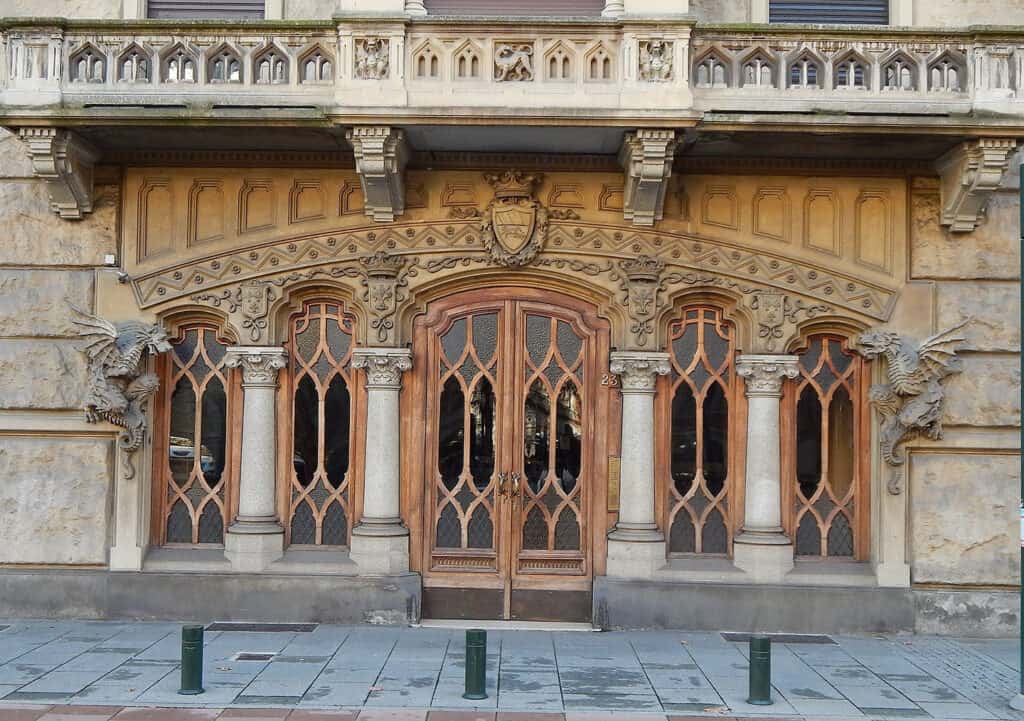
x=839 y=12
x=200 y=9
x=522 y=7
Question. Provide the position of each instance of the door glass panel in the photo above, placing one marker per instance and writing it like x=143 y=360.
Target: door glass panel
x=482 y=408
x=716 y=438
x=536 y=429
x=450 y=436
x=568 y=444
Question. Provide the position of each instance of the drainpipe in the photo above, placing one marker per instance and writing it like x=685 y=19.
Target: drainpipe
x=1018 y=701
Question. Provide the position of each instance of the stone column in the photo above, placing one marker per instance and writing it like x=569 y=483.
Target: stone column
x=380 y=543
x=256 y=538
x=636 y=546
x=415 y=7
x=762 y=549
x=613 y=8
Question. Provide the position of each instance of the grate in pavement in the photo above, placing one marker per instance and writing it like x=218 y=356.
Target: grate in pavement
x=253 y=656
x=263 y=627
x=781 y=637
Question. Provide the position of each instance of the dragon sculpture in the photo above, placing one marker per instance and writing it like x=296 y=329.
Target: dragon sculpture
x=911 y=403
x=119 y=390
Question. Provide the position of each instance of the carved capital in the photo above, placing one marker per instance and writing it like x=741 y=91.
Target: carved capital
x=381 y=154
x=646 y=158
x=65 y=161
x=970 y=173
x=384 y=366
x=765 y=374
x=259 y=364
x=638 y=371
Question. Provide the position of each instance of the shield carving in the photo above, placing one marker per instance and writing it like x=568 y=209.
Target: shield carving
x=514 y=223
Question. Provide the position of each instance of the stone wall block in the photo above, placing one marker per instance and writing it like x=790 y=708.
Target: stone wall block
x=991 y=251
x=993 y=307
x=34 y=235
x=42 y=374
x=986 y=393
x=35 y=302
x=964 y=521
x=63 y=8
x=53 y=509
x=14 y=160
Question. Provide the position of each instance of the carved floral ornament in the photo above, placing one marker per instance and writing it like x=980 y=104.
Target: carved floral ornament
x=384 y=366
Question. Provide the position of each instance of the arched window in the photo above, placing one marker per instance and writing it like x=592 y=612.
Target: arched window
x=318 y=498
x=701 y=347
x=194 y=436
x=828 y=485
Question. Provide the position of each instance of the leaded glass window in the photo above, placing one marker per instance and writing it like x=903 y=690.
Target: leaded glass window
x=192 y=477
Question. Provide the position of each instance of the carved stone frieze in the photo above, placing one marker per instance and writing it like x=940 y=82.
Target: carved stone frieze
x=119 y=389
x=513 y=62
x=765 y=374
x=381 y=154
x=970 y=173
x=776 y=316
x=384 y=282
x=911 y=403
x=646 y=157
x=65 y=161
x=259 y=364
x=638 y=371
x=515 y=224
x=384 y=366
x=372 y=61
x=656 y=60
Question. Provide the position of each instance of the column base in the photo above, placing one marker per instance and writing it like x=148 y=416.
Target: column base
x=251 y=547
x=893 y=575
x=635 y=559
x=765 y=558
x=380 y=549
x=126 y=558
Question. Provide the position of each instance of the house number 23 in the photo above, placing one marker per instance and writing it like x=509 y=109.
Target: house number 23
x=610 y=379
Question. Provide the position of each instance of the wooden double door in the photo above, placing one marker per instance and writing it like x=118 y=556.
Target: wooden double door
x=510 y=469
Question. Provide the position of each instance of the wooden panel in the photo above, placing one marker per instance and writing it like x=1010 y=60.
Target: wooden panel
x=548 y=605
x=463 y=603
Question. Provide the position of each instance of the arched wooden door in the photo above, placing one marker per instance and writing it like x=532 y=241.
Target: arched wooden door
x=510 y=462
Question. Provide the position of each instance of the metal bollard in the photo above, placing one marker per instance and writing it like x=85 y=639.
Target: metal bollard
x=760 y=671
x=476 y=665
x=191 y=660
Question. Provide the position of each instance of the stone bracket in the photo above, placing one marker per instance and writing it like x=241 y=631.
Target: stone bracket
x=381 y=154
x=970 y=173
x=65 y=161
x=646 y=157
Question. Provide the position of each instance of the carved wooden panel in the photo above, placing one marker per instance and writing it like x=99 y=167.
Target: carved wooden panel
x=321 y=386
x=193 y=448
x=701 y=346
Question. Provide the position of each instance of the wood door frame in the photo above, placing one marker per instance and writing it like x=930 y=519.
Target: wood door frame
x=416 y=414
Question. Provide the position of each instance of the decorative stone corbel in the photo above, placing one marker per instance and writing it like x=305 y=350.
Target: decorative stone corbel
x=639 y=281
x=646 y=158
x=383 y=282
x=381 y=156
x=970 y=173
x=776 y=316
x=65 y=161
x=119 y=388
x=911 y=403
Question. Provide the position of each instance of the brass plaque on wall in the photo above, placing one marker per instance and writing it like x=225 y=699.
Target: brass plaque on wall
x=614 y=476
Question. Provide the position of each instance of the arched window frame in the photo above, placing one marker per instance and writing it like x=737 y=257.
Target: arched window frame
x=857 y=380
x=350 y=492
x=170 y=368
x=667 y=503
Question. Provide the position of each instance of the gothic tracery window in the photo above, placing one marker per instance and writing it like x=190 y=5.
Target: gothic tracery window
x=192 y=476
x=701 y=349
x=828 y=479
x=319 y=498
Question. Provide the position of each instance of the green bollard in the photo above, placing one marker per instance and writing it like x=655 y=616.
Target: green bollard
x=476 y=665
x=191 y=660
x=760 y=671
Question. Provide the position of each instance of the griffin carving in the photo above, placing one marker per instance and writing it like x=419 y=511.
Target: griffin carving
x=911 y=403
x=119 y=391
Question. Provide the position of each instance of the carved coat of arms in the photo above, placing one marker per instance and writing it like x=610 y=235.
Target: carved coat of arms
x=515 y=224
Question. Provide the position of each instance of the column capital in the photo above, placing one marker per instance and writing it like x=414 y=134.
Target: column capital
x=765 y=374
x=259 y=364
x=384 y=366
x=639 y=370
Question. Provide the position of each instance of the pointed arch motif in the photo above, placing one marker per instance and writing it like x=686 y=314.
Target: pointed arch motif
x=316 y=65
x=599 y=64
x=900 y=72
x=851 y=71
x=467 y=62
x=426 y=61
x=135 y=64
x=759 y=68
x=270 y=66
x=560 y=62
x=806 y=69
x=713 y=69
x=179 y=64
x=947 y=73
x=224 y=65
x=88 y=64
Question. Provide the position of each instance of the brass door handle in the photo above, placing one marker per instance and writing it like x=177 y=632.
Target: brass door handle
x=502 y=480
x=515 y=483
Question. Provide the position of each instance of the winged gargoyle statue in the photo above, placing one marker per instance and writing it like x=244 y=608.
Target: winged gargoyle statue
x=911 y=403
x=119 y=390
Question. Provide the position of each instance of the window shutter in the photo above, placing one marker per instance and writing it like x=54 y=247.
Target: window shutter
x=840 y=12
x=201 y=9
x=521 y=7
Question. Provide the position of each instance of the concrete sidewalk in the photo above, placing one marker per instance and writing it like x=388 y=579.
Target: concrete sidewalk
x=114 y=665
